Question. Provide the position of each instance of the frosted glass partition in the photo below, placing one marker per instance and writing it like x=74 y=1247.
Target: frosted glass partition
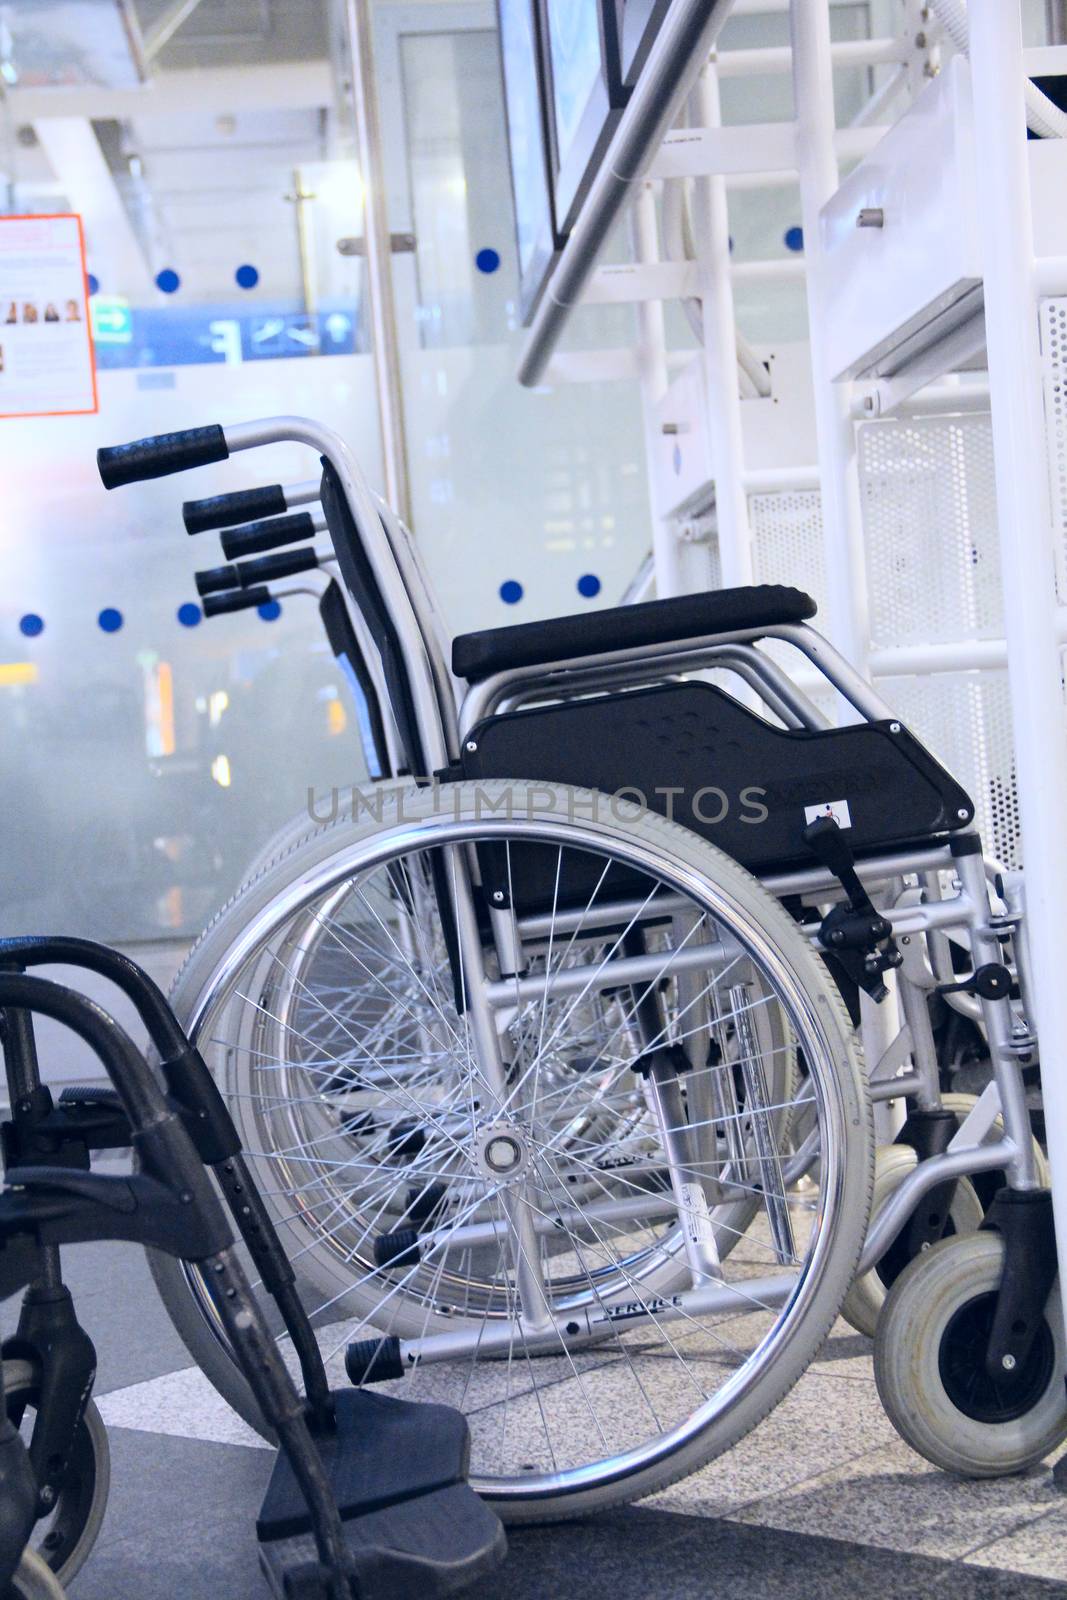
x=149 y=754
x=527 y=504
x=542 y=490
x=143 y=767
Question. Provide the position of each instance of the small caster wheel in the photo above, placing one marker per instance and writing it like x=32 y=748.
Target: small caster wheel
x=929 y=1364
x=35 y=1580
x=863 y=1303
x=65 y=1537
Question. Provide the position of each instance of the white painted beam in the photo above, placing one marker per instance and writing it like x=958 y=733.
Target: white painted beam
x=78 y=162
x=295 y=86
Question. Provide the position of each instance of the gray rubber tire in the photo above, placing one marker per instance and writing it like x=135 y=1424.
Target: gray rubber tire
x=863 y=1303
x=907 y=1366
x=35 y=1580
x=21 y=1376
x=847 y=1099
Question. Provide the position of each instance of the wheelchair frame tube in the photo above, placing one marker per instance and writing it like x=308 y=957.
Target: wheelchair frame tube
x=685 y=656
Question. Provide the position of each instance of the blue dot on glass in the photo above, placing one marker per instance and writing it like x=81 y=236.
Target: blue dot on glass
x=31 y=625
x=94 y=282
x=168 y=280
x=487 y=260
x=511 y=592
x=794 y=238
x=110 y=619
x=588 y=585
x=247 y=276
x=189 y=614
x=270 y=610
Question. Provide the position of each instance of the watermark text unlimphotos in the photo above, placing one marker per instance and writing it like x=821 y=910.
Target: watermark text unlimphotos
x=709 y=805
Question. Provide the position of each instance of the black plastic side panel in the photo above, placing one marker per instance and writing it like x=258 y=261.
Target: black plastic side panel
x=690 y=751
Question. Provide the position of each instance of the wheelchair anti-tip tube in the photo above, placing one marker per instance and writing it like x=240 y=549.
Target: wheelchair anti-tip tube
x=271 y=534
x=219 y=605
x=160 y=455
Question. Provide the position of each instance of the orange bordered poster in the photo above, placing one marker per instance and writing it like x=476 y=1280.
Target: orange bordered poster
x=46 y=342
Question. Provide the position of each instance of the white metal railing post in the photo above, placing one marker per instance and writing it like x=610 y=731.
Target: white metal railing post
x=1026 y=540
x=652 y=366
x=359 y=35
x=711 y=226
x=846 y=575
x=813 y=93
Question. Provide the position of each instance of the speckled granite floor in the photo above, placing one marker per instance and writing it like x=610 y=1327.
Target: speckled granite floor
x=822 y=1499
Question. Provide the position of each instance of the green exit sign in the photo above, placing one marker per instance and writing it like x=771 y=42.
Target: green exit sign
x=112 y=319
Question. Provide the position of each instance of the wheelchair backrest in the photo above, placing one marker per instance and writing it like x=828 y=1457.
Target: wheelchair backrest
x=392 y=646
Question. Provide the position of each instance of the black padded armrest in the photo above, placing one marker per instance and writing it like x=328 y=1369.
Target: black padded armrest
x=594 y=633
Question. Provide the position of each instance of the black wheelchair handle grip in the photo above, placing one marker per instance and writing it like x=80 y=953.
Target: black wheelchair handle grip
x=268 y=535
x=226 y=510
x=217 y=605
x=266 y=568
x=215 y=580
x=162 y=454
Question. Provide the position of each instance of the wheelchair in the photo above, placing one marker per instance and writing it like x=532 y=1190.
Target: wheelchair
x=367 y=1495
x=532 y=1052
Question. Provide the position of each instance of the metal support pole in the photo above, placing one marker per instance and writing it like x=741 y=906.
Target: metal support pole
x=711 y=225
x=1026 y=540
x=1056 y=21
x=360 y=43
x=813 y=93
x=652 y=363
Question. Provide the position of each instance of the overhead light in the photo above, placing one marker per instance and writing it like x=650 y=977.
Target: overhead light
x=9 y=72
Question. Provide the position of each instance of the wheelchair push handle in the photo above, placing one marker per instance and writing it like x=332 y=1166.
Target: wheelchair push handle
x=219 y=605
x=265 y=569
x=227 y=510
x=270 y=534
x=161 y=454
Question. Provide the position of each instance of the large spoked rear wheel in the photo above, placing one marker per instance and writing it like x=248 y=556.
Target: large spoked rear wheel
x=585 y=1233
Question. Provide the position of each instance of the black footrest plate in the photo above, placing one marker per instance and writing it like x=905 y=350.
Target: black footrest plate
x=434 y=1545
x=382 y=1452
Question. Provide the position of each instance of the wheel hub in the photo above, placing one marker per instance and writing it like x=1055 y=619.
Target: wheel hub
x=501 y=1152
x=961 y=1360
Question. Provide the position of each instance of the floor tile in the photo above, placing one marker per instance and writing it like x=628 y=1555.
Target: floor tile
x=891 y=1498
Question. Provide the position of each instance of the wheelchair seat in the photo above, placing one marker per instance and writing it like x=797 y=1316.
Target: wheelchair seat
x=593 y=633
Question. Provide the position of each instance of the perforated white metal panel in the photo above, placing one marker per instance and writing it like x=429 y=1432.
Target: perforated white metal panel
x=787 y=542
x=965 y=719
x=930 y=529
x=787 y=547
x=933 y=572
